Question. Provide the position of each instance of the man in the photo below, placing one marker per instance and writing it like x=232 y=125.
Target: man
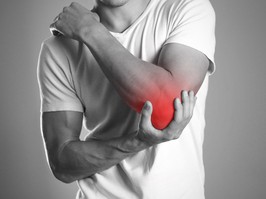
x=124 y=66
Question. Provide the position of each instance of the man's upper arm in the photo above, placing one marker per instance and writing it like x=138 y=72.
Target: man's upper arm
x=187 y=69
x=188 y=52
x=187 y=66
x=59 y=128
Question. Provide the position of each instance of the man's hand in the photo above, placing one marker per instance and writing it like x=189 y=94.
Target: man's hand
x=75 y=22
x=182 y=115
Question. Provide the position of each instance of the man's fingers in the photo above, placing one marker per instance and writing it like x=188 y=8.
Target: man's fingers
x=185 y=102
x=75 y=4
x=191 y=102
x=178 y=114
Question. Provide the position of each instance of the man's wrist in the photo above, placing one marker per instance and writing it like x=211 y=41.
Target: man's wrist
x=89 y=33
x=133 y=144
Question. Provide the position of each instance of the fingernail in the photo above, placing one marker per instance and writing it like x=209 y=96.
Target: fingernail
x=146 y=106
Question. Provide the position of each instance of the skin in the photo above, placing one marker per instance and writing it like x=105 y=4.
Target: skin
x=72 y=159
x=112 y=3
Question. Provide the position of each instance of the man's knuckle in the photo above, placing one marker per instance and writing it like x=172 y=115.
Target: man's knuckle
x=73 y=4
x=170 y=133
x=65 y=9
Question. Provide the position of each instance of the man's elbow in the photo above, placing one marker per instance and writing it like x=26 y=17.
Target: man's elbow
x=163 y=105
x=65 y=173
x=61 y=174
x=63 y=178
x=162 y=94
x=163 y=110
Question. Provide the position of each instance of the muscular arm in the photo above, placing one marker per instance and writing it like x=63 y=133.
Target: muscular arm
x=179 y=68
x=70 y=158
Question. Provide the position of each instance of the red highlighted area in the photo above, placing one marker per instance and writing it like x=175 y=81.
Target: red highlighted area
x=163 y=107
x=163 y=113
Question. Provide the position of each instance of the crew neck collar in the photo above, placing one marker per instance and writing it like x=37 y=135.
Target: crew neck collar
x=135 y=23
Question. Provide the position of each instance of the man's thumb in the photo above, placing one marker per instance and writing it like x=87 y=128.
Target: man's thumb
x=145 y=118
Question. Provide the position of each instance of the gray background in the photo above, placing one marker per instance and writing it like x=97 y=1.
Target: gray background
x=235 y=149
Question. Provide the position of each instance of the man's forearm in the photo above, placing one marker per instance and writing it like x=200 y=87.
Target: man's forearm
x=129 y=74
x=135 y=80
x=80 y=159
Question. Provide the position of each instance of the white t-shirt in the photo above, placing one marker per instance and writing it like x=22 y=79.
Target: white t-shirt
x=70 y=79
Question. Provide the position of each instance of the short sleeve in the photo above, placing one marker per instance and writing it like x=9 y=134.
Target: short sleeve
x=54 y=77
x=193 y=25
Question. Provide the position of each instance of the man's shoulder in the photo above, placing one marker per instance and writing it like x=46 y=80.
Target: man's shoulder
x=170 y=7
x=62 y=49
x=60 y=43
x=182 y=10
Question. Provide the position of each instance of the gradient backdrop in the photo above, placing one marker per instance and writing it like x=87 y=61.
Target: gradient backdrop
x=235 y=141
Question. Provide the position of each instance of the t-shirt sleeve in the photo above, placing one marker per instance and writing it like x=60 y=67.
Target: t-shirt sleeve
x=56 y=86
x=193 y=24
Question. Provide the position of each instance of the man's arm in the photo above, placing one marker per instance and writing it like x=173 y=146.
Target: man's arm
x=71 y=159
x=179 y=67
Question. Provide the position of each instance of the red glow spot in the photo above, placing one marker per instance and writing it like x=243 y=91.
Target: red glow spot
x=163 y=109
x=163 y=113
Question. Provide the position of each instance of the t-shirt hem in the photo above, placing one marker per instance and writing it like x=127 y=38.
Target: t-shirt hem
x=212 y=67
x=61 y=107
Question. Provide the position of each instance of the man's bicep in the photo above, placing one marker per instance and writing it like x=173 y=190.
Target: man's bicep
x=58 y=128
x=187 y=66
